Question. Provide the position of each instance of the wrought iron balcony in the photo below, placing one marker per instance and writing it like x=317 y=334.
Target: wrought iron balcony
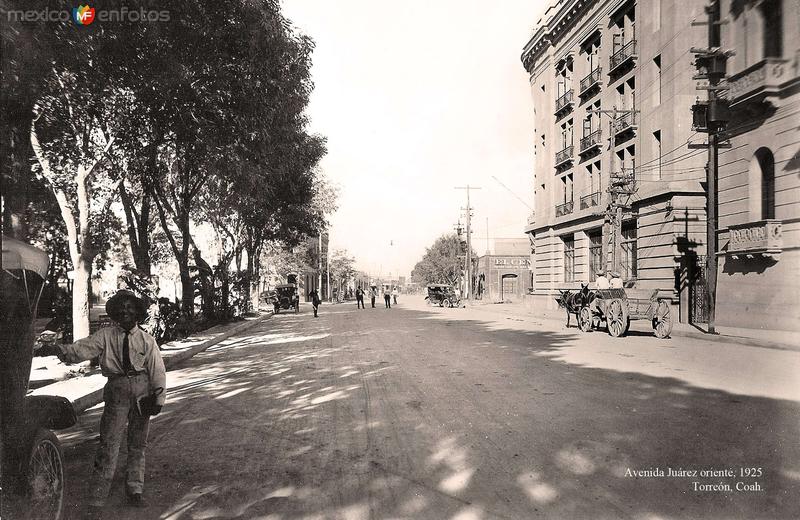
x=565 y=101
x=624 y=122
x=593 y=199
x=592 y=79
x=591 y=141
x=564 y=155
x=758 y=81
x=565 y=209
x=625 y=54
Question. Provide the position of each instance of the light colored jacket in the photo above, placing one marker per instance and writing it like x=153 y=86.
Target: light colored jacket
x=107 y=343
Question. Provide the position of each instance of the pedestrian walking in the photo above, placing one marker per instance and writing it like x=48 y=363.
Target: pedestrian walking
x=135 y=391
x=373 y=293
x=360 y=298
x=395 y=292
x=315 y=301
x=387 y=297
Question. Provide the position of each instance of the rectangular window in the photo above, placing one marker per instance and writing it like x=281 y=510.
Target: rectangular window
x=657 y=93
x=595 y=254
x=569 y=259
x=628 y=260
x=657 y=149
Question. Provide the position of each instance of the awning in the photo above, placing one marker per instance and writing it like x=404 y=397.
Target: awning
x=19 y=255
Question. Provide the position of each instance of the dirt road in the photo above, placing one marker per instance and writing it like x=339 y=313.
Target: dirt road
x=462 y=414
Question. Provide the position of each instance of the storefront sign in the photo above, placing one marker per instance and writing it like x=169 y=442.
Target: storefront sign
x=512 y=262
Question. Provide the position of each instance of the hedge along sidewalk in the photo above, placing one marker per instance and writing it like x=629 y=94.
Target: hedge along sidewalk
x=87 y=391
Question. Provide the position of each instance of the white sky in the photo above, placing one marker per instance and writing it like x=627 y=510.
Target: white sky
x=415 y=98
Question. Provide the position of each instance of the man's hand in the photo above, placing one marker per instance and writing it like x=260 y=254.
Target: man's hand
x=53 y=350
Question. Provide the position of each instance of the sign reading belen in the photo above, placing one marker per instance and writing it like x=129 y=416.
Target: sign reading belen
x=512 y=262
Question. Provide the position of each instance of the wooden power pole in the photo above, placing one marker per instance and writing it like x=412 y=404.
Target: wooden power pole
x=711 y=117
x=468 y=285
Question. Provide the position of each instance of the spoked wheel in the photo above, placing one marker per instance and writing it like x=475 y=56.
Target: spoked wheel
x=616 y=318
x=447 y=303
x=585 y=319
x=45 y=477
x=662 y=320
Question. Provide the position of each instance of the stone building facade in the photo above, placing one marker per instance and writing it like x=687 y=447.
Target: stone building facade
x=587 y=58
x=758 y=280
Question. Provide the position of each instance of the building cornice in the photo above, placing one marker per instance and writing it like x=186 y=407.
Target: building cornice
x=550 y=28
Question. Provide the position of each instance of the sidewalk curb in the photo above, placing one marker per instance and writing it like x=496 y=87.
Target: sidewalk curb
x=95 y=397
x=694 y=334
x=179 y=357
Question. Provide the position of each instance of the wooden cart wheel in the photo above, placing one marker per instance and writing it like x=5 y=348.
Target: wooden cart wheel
x=585 y=319
x=662 y=320
x=616 y=318
x=447 y=303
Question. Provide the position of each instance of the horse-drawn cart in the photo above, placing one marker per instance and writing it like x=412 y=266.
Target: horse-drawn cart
x=617 y=308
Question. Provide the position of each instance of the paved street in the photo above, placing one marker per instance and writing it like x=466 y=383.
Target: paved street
x=430 y=413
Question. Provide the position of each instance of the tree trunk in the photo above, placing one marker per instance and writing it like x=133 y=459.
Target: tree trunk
x=80 y=298
x=137 y=224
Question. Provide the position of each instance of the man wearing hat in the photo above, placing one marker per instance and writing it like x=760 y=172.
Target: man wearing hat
x=130 y=359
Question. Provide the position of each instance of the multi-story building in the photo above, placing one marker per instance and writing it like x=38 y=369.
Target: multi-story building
x=612 y=88
x=758 y=280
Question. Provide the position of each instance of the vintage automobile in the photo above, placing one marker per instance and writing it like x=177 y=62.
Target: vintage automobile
x=442 y=295
x=32 y=459
x=285 y=297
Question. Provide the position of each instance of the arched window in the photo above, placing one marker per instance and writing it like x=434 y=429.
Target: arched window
x=761 y=180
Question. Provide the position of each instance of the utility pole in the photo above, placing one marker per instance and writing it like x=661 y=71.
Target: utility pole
x=711 y=117
x=619 y=184
x=468 y=285
x=319 y=271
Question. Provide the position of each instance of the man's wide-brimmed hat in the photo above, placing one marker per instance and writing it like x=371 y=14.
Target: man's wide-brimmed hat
x=115 y=303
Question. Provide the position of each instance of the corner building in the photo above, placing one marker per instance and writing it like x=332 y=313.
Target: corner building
x=758 y=275
x=587 y=58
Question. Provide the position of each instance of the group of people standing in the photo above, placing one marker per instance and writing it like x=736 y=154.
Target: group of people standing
x=388 y=296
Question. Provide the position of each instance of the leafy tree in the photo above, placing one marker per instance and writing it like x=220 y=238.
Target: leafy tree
x=441 y=263
x=342 y=267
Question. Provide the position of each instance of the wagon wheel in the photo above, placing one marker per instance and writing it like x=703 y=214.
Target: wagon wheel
x=45 y=476
x=662 y=320
x=447 y=303
x=585 y=319
x=616 y=318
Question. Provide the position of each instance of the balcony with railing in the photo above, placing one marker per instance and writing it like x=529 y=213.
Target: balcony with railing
x=590 y=81
x=588 y=201
x=565 y=102
x=591 y=141
x=565 y=209
x=759 y=81
x=625 y=55
x=564 y=156
x=625 y=122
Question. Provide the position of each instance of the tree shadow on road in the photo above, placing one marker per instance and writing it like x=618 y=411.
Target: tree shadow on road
x=423 y=416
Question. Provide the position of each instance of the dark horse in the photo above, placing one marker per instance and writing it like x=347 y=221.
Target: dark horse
x=572 y=301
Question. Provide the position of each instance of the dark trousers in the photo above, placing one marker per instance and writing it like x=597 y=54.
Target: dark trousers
x=372 y=299
x=388 y=300
x=316 y=306
x=360 y=302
